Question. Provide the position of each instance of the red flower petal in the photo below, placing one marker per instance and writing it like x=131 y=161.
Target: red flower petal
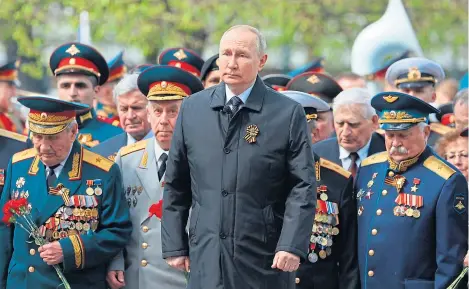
x=156 y=209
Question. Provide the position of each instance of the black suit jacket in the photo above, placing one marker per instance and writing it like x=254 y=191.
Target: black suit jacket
x=329 y=148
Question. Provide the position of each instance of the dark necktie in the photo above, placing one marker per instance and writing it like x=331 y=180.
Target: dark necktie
x=162 y=169
x=353 y=165
x=51 y=177
x=232 y=106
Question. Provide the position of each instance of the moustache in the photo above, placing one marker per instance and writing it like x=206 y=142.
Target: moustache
x=399 y=150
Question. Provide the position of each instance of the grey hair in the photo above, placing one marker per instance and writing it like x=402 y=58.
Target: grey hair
x=261 y=44
x=127 y=84
x=355 y=95
x=312 y=125
x=422 y=126
x=461 y=96
x=70 y=125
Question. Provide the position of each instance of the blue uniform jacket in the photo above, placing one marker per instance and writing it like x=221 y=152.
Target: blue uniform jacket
x=86 y=252
x=400 y=251
x=93 y=130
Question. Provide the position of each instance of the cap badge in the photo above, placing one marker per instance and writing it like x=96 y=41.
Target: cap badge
x=72 y=50
x=180 y=54
x=313 y=79
x=414 y=73
x=390 y=98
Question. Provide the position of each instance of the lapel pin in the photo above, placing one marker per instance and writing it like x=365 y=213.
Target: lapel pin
x=251 y=133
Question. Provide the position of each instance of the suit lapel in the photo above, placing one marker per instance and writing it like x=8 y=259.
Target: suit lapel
x=148 y=174
x=70 y=178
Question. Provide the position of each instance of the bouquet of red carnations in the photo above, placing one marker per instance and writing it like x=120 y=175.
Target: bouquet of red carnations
x=18 y=212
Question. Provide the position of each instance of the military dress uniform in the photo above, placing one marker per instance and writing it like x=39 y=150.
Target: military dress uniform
x=412 y=215
x=183 y=58
x=10 y=143
x=78 y=58
x=9 y=73
x=332 y=258
x=417 y=73
x=117 y=70
x=83 y=209
x=143 y=165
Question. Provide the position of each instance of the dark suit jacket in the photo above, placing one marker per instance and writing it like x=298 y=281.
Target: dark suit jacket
x=329 y=148
x=252 y=193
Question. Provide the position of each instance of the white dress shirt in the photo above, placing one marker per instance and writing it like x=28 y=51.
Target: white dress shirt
x=243 y=96
x=344 y=155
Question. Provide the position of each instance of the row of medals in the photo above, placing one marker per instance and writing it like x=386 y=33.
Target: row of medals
x=321 y=238
x=132 y=199
x=70 y=222
x=90 y=191
x=401 y=211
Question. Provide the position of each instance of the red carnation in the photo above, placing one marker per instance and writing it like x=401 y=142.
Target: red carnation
x=7 y=218
x=156 y=209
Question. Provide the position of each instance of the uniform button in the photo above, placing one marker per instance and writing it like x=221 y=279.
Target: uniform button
x=224 y=193
x=371 y=273
x=384 y=192
x=223 y=236
x=391 y=174
x=374 y=232
x=145 y=229
x=297 y=280
x=226 y=150
x=144 y=245
x=31 y=269
x=144 y=263
x=379 y=212
x=371 y=252
x=32 y=252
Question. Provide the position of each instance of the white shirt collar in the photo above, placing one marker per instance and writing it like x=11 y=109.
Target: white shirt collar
x=58 y=169
x=243 y=96
x=130 y=139
x=158 y=152
x=344 y=155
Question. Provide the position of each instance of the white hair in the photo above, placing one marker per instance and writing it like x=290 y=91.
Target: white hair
x=127 y=84
x=261 y=44
x=355 y=95
x=422 y=126
x=461 y=96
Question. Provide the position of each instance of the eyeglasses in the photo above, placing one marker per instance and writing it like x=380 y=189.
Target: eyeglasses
x=451 y=156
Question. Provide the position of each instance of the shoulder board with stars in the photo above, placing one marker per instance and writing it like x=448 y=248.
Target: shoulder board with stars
x=97 y=160
x=374 y=159
x=334 y=167
x=23 y=155
x=440 y=128
x=439 y=167
x=13 y=135
x=133 y=147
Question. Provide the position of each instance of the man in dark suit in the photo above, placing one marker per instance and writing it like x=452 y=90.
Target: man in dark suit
x=132 y=112
x=355 y=121
x=241 y=158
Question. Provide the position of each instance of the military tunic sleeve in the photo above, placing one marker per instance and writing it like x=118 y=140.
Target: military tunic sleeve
x=451 y=229
x=6 y=233
x=86 y=251
x=177 y=196
x=301 y=199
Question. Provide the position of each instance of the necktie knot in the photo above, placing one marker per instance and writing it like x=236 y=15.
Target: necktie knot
x=233 y=105
x=164 y=157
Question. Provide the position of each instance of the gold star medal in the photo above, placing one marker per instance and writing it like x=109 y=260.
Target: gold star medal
x=251 y=133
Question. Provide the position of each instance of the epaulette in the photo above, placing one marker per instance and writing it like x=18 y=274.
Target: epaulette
x=116 y=123
x=334 y=167
x=97 y=160
x=439 y=167
x=440 y=128
x=374 y=159
x=13 y=135
x=140 y=145
x=23 y=155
